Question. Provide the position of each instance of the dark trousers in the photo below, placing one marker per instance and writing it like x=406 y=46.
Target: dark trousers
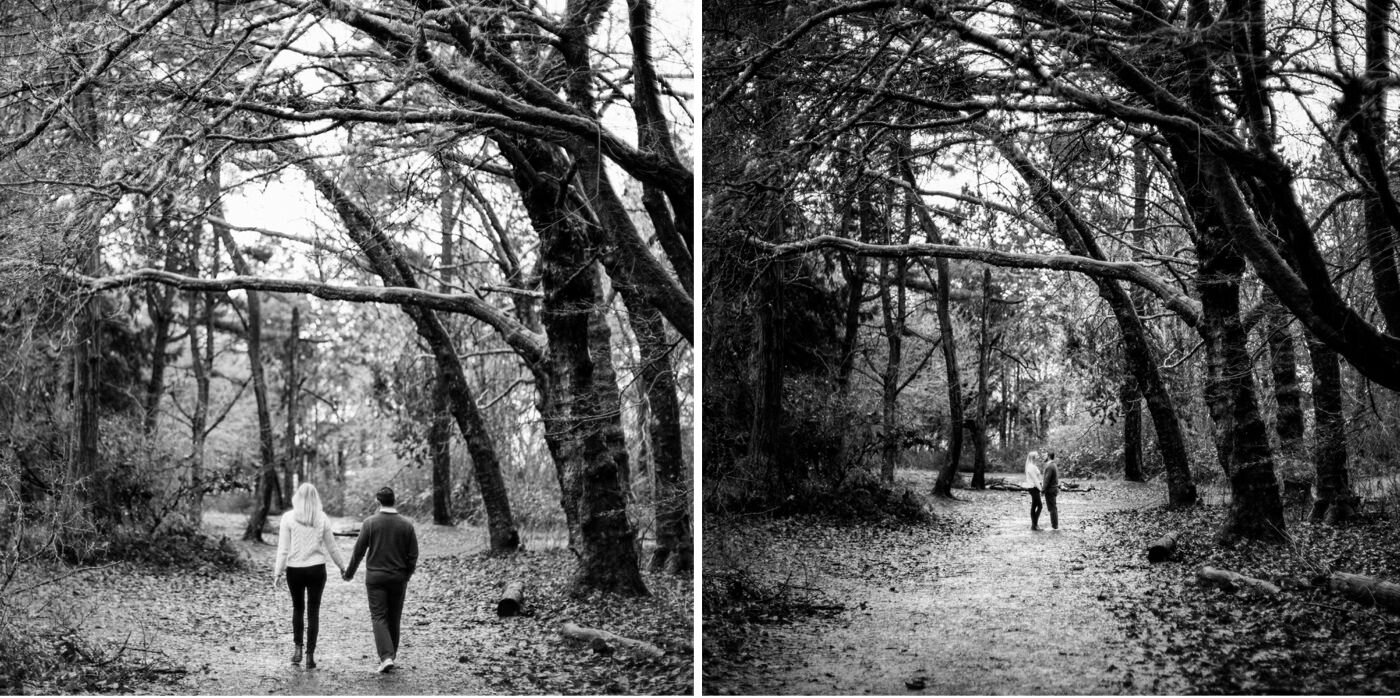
x=306 y=585
x=1035 y=506
x=386 y=593
x=1054 y=511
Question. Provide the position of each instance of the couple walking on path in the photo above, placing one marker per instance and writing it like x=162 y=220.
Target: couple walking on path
x=389 y=547
x=1042 y=479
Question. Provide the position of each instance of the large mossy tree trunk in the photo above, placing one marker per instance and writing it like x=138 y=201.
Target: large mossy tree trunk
x=1131 y=400
x=1240 y=435
x=670 y=487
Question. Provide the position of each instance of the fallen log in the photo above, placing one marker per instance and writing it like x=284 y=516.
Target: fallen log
x=603 y=641
x=512 y=599
x=352 y=533
x=1234 y=580
x=1162 y=548
x=1365 y=590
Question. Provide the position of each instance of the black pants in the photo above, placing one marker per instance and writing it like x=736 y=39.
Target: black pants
x=1054 y=511
x=1035 y=506
x=386 y=594
x=306 y=585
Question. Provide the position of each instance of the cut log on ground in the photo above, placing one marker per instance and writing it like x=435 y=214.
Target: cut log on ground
x=355 y=533
x=599 y=639
x=1366 y=590
x=512 y=600
x=1234 y=580
x=1162 y=548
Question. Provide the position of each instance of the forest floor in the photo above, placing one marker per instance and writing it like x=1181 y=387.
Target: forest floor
x=978 y=603
x=219 y=631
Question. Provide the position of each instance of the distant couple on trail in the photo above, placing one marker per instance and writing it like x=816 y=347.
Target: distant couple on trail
x=389 y=547
x=1044 y=479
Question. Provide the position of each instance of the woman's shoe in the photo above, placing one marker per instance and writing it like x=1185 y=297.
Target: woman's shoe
x=296 y=656
x=311 y=658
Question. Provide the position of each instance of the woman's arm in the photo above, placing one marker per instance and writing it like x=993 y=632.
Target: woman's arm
x=284 y=545
x=328 y=539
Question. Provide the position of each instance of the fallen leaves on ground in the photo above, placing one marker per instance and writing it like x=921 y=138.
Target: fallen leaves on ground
x=1304 y=640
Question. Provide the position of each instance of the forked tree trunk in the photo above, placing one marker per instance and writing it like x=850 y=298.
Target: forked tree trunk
x=1241 y=438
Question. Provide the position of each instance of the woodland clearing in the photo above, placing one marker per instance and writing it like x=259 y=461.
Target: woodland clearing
x=227 y=631
x=976 y=602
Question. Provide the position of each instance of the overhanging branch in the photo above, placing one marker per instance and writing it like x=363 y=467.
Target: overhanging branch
x=530 y=345
x=1188 y=309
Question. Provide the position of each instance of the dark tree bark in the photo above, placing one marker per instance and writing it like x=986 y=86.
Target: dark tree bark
x=978 y=424
x=440 y=429
x=267 y=456
x=291 y=453
x=674 y=546
x=576 y=386
x=943 y=486
x=202 y=362
x=853 y=271
x=1241 y=438
x=1131 y=401
x=1334 y=501
x=892 y=300
x=1283 y=365
x=160 y=307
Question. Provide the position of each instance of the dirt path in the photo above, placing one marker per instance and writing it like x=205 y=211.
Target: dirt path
x=235 y=629
x=996 y=609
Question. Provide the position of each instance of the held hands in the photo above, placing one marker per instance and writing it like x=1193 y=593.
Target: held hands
x=346 y=575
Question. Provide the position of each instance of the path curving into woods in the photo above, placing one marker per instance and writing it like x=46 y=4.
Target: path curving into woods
x=992 y=608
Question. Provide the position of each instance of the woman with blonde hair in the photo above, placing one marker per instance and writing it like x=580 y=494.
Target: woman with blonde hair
x=303 y=541
x=1032 y=485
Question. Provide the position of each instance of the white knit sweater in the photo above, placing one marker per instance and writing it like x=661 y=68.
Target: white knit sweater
x=299 y=545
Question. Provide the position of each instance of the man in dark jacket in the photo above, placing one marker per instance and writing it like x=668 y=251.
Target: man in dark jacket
x=1050 y=475
x=390 y=549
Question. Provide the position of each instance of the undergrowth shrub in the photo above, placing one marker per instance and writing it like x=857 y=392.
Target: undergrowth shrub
x=49 y=656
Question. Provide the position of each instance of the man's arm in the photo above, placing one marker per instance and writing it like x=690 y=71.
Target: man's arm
x=412 y=551
x=361 y=545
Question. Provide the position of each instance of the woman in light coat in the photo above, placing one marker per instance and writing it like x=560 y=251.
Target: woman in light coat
x=1032 y=484
x=304 y=540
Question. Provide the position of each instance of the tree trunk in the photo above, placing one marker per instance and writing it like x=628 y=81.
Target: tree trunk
x=440 y=430
x=892 y=314
x=978 y=423
x=575 y=388
x=1241 y=439
x=1234 y=580
x=1283 y=365
x=1131 y=400
x=943 y=486
x=1367 y=591
x=1334 y=501
x=202 y=361
x=511 y=601
x=766 y=452
x=853 y=270
x=1078 y=238
x=160 y=303
x=267 y=479
x=289 y=439
x=670 y=493
x=389 y=264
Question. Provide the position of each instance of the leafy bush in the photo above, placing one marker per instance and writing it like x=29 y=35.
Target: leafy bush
x=54 y=657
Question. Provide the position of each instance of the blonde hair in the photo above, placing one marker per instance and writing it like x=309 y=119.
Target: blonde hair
x=306 y=505
x=1033 y=458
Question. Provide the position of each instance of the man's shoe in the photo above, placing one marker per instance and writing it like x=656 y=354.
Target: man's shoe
x=296 y=656
x=386 y=666
x=311 y=658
